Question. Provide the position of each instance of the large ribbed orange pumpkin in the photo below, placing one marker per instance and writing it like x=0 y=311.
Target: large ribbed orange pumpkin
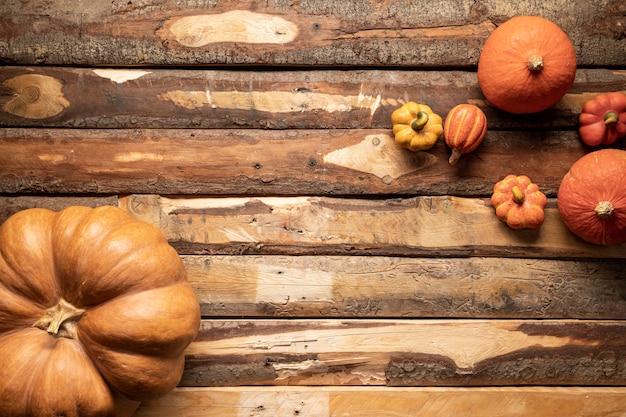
x=95 y=313
x=526 y=65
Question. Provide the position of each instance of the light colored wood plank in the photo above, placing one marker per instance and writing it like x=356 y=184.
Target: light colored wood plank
x=388 y=402
x=420 y=352
x=262 y=162
x=375 y=286
x=434 y=226
x=297 y=99
x=319 y=32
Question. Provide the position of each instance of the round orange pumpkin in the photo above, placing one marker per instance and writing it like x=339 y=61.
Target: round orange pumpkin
x=592 y=197
x=464 y=129
x=95 y=313
x=526 y=65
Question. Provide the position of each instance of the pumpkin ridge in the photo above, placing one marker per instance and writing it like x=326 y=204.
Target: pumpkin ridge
x=57 y=372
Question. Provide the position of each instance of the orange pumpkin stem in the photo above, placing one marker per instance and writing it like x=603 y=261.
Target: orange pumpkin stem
x=60 y=320
x=518 y=194
x=535 y=63
x=421 y=120
x=610 y=118
x=604 y=209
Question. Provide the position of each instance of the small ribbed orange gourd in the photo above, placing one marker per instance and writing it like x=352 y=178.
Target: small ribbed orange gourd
x=464 y=129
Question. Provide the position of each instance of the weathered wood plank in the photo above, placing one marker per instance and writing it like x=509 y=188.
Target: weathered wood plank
x=262 y=162
x=12 y=204
x=371 y=286
x=407 y=352
x=417 y=226
x=388 y=402
x=302 y=99
x=316 y=32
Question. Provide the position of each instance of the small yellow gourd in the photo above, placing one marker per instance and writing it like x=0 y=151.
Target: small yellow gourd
x=416 y=127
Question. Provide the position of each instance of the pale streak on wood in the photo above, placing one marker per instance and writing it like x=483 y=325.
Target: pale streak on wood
x=120 y=76
x=316 y=284
x=273 y=101
x=138 y=156
x=35 y=96
x=285 y=403
x=240 y=26
x=54 y=158
x=389 y=402
x=171 y=205
x=378 y=155
x=323 y=366
x=474 y=344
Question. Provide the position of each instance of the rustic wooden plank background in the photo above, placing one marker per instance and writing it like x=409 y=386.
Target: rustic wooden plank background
x=371 y=280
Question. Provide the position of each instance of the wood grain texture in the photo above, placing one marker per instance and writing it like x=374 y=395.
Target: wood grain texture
x=374 y=286
x=314 y=32
x=388 y=402
x=407 y=352
x=256 y=135
x=299 y=99
x=357 y=162
x=416 y=226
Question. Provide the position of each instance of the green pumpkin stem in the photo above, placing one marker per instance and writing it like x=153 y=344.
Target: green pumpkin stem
x=420 y=121
x=518 y=194
x=610 y=118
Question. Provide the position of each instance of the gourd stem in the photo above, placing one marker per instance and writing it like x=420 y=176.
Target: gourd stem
x=455 y=156
x=535 y=63
x=518 y=194
x=420 y=121
x=611 y=118
x=604 y=209
x=60 y=320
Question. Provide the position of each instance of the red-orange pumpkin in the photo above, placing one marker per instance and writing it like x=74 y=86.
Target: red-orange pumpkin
x=464 y=129
x=603 y=119
x=526 y=65
x=592 y=197
x=95 y=313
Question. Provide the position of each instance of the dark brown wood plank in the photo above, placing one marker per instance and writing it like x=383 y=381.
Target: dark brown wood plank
x=374 y=286
x=407 y=353
x=262 y=162
x=300 y=99
x=417 y=226
x=335 y=32
x=388 y=402
x=12 y=204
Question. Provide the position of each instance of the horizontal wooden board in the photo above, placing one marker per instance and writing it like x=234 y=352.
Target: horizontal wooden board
x=388 y=402
x=417 y=226
x=315 y=32
x=407 y=352
x=297 y=99
x=374 y=286
x=262 y=162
